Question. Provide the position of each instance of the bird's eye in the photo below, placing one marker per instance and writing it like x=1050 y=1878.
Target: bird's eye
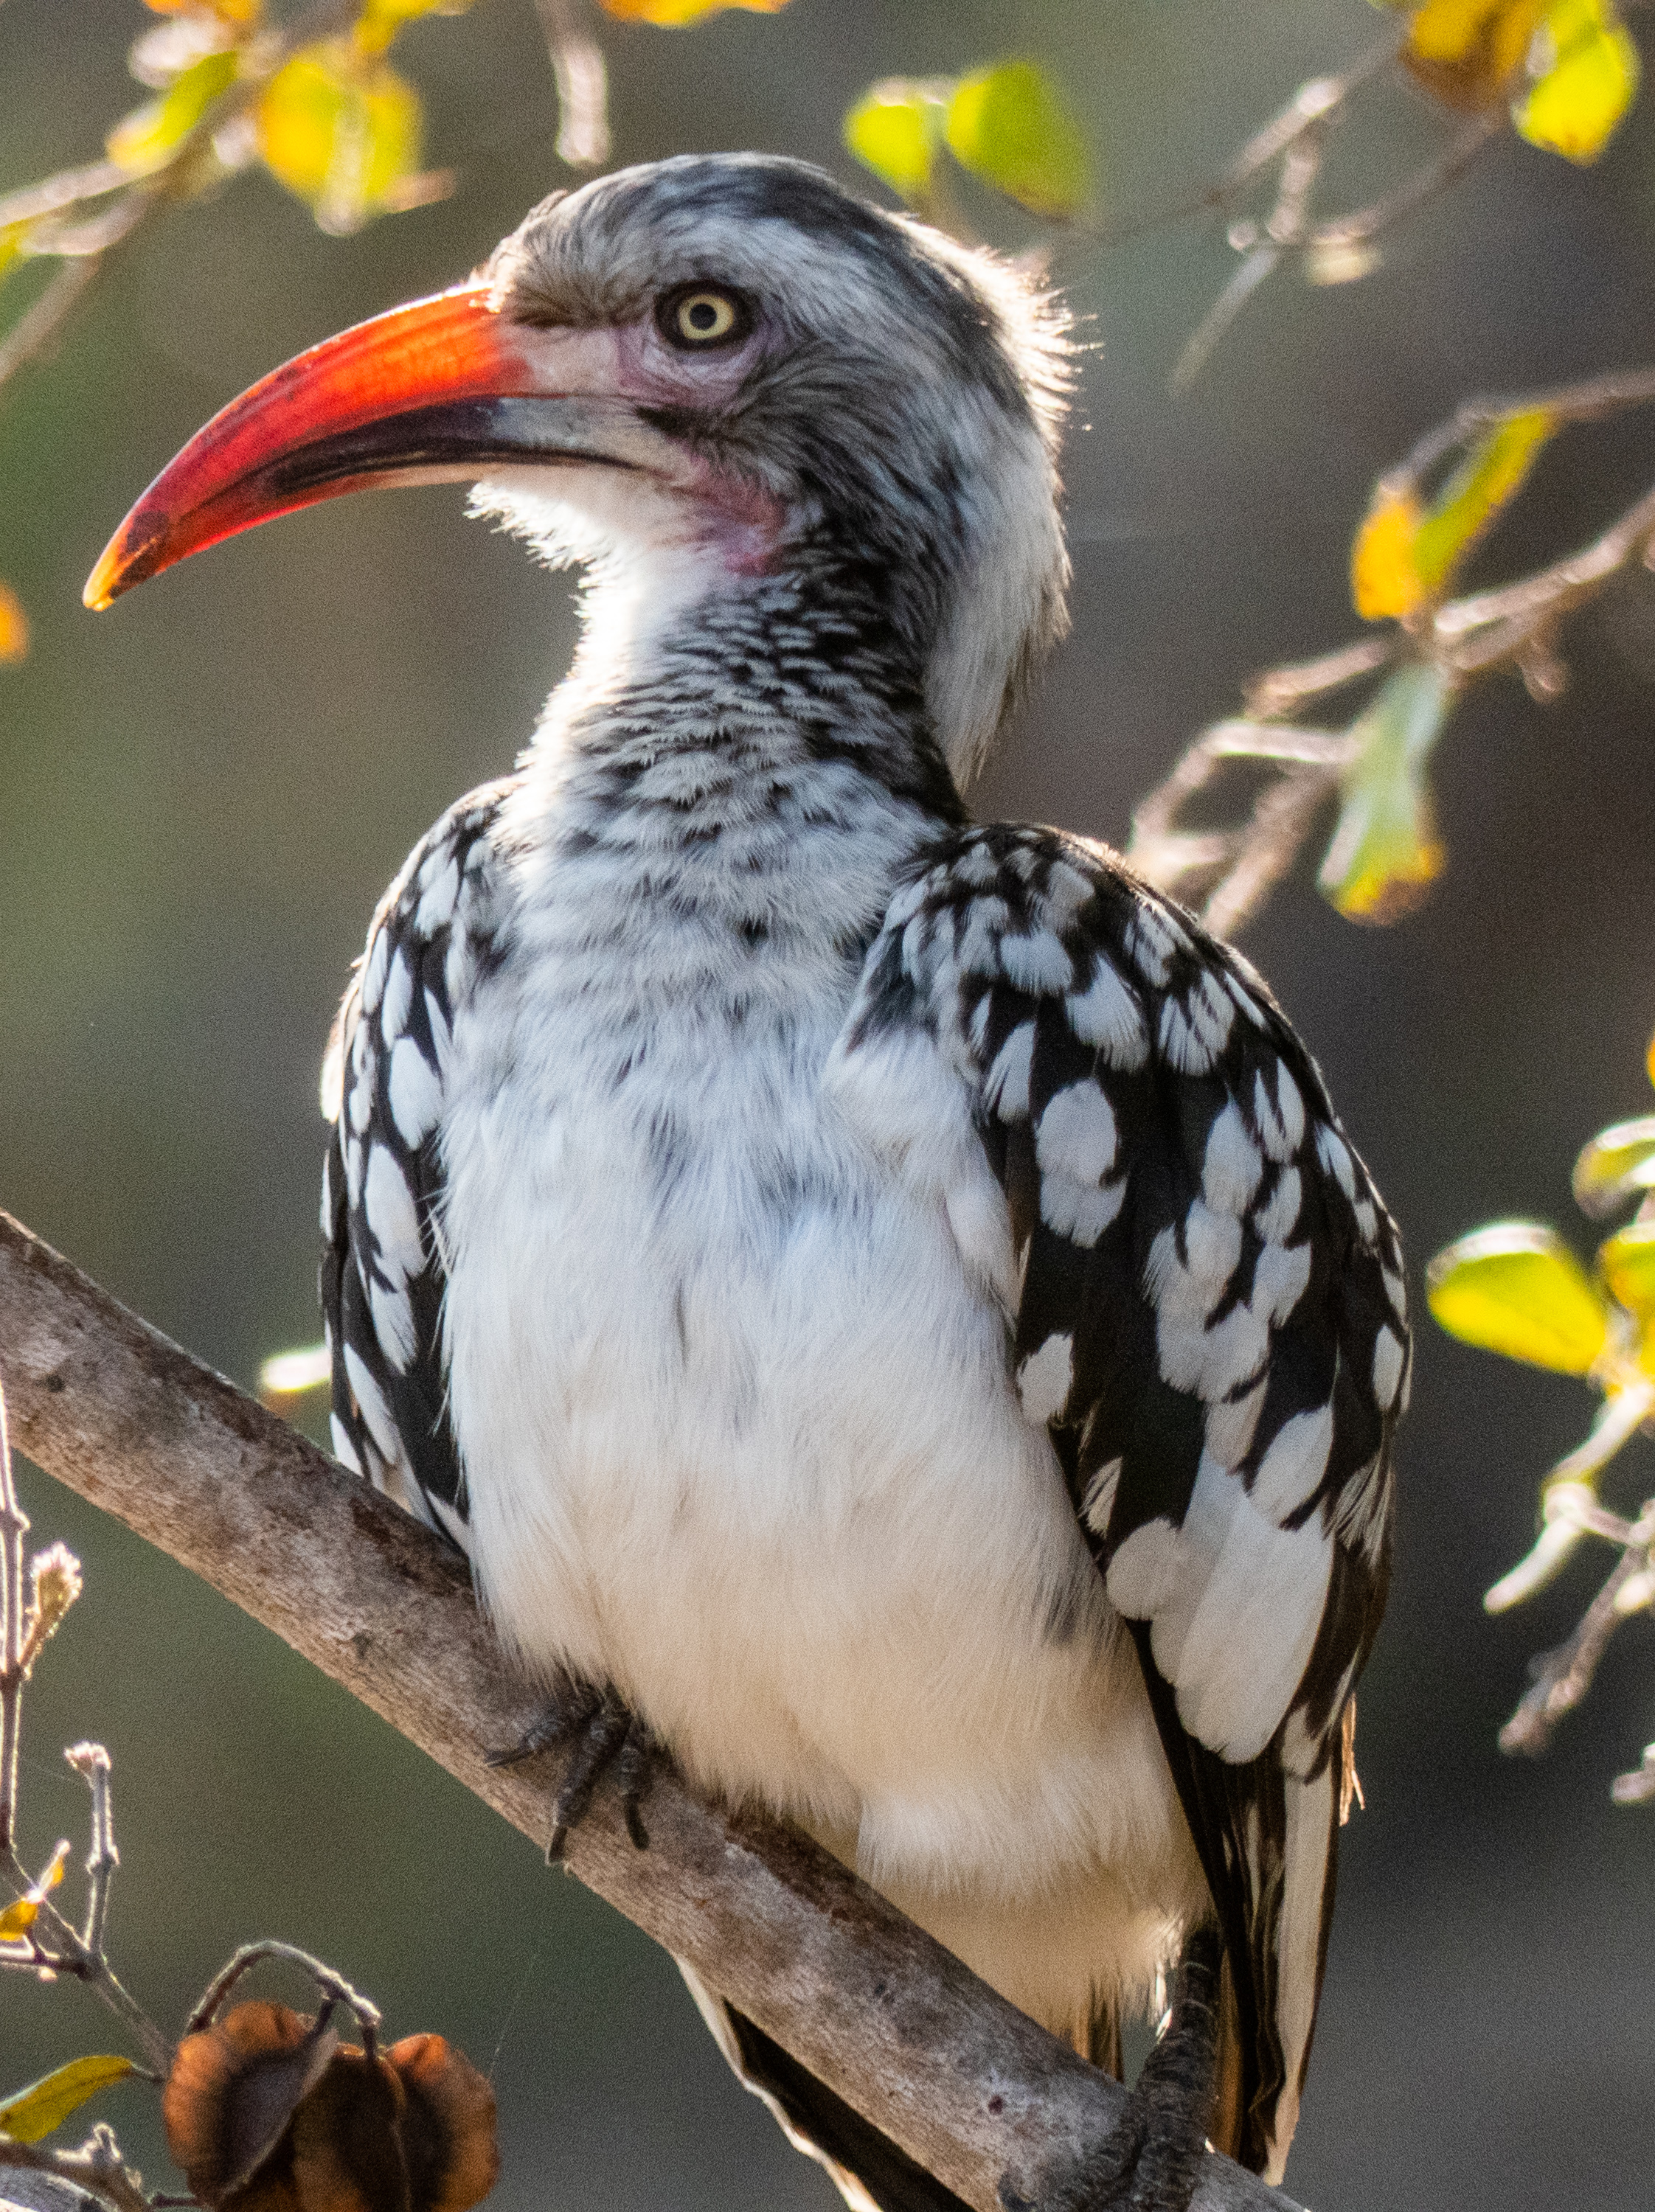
x=702 y=316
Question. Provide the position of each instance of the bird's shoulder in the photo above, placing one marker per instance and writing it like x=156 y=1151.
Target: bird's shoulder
x=435 y=932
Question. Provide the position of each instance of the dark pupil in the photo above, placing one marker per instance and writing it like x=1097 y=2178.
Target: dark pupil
x=702 y=315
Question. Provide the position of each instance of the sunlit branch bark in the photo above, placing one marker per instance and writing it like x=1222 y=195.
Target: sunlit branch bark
x=962 y=2081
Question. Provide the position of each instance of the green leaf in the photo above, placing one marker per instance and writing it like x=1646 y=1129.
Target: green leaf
x=1385 y=851
x=147 y=139
x=1516 y=1288
x=341 y=130
x=44 y=2105
x=894 y=129
x=1492 y=473
x=1010 y=126
x=1588 y=80
x=1616 y=1164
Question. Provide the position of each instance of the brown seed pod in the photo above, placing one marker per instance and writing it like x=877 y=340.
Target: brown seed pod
x=230 y=2099
x=347 y=2139
x=447 y=2126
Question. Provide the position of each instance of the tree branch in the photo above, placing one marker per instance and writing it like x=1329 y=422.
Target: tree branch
x=898 y=2027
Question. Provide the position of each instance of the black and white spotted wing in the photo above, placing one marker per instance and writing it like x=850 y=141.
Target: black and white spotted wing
x=381 y=1273
x=1210 y=1321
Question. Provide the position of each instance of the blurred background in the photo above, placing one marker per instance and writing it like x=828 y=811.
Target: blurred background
x=203 y=793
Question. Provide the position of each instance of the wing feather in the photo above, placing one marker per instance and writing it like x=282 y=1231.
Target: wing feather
x=382 y=1279
x=1209 y=1321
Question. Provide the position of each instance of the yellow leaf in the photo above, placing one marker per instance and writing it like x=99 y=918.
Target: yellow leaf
x=1466 y=52
x=146 y=140
x=1649 y=1060
x=1384 y=580
x=20 y=1916
x=1586 y=80
x=895 y=129
x=1493 y=472
x=242 y=13
x=1617 y=1163
x=14 y=628
x=1627 y=1262
x=341 y=130
x=672 y=12
x=1385 y=851
x=1010 y=126
x=1516 y=1288
x=380 y=20
x=44 y=2105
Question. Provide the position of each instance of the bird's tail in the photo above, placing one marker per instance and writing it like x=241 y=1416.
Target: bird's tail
x=871 y=2173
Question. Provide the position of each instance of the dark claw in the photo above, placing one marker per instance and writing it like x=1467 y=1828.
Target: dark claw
x=569 y=1706
x=607 y=1733
x=602 y=1738
x=633 y=1772
x=1162 y=2137
x=1152 y=2160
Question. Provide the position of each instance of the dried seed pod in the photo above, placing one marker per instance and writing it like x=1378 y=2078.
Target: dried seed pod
x=447 y=2126
x=347 y=2139
x=230 y=2099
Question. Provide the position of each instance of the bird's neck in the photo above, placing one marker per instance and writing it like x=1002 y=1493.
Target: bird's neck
x=748 y=767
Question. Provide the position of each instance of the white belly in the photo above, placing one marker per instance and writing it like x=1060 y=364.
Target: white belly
x=740 y=1440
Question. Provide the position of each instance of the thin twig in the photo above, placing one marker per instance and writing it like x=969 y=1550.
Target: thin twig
x=331 y=1984
x=582 y=80
x=1362 y=225
x=964 y=2082
x=14 y=1527
x=91 y=1762
x=1563 y=1677
x=97 y=2167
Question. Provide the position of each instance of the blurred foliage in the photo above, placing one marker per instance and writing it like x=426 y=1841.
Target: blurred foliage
x=1516 y=1288
x=1566 y=69
x=1008 y=125
x=40 y=2110
x=1385 y=851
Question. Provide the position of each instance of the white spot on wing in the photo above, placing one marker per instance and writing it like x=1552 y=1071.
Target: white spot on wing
x=1045 y=1379
x=1107 y=1015
x=1098 y=1502
x=1237 y=1582
x=1077 y=1135
x=1278 y=1217
x=1183 y=1047
x=1230 y=1172
x=416 y=1093
x=372 y=1406
x=1036 y=962
x=393 y=1324
x=1006 y=1089
x=398 y=997
x=1079 y=1210
x=437 y=898
x=1335 y=1156
x=1387 y=1368
x=343 y=1451
x=378 y=952
x=1294 y=1464
x=391 y=1221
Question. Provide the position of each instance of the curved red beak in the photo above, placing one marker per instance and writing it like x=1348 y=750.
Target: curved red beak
x=436 y=390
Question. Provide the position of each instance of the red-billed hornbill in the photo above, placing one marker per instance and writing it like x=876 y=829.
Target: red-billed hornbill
x=883 y=1300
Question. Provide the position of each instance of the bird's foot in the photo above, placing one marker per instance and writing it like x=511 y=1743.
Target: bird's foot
x=605 y=1732
x=1152 y=2160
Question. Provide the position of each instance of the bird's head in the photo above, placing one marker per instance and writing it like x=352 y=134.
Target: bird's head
x=694 y=374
